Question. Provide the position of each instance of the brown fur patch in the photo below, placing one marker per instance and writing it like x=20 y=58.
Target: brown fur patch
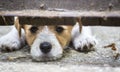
x=63 y=38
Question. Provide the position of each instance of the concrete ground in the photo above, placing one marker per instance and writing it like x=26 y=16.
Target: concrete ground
x=102 y=59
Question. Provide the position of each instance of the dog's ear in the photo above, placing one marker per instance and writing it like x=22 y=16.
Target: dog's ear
x=80 y=24
x=17 y=25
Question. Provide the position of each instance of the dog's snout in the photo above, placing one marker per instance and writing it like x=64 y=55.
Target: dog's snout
x=45 y=47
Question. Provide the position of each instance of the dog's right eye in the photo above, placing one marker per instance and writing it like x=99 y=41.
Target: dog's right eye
x=33 y=29
x=59 y=29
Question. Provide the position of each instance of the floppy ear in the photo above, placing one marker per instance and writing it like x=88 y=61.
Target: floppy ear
x=80 y=24
x=17 y=25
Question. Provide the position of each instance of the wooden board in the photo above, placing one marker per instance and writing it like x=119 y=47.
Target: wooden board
x=92 y=12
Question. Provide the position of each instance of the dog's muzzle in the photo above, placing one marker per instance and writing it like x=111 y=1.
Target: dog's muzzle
x=45 y=47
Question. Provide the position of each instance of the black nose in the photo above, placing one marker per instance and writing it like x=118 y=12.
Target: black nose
x=45 y=47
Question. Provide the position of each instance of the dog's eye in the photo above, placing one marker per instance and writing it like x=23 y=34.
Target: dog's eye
x=59 y=29
x=33 y=29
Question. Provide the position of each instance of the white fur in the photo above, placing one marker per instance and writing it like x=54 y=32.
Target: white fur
x=46 y=36
x=11 y=40
x=82 y=39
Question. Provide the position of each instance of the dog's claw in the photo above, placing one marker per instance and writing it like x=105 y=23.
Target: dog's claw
x=85 y=48
x=7 y=48
x=4 y=48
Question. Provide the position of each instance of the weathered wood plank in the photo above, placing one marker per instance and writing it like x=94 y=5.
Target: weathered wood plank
x=84 y=5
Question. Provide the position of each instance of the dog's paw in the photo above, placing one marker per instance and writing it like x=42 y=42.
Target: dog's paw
x=9 y=43
x=83 y=41
x=84 y=44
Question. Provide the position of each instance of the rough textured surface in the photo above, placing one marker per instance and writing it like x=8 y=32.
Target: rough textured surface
x=102 y=59
x=87 y=5
x=38 y=67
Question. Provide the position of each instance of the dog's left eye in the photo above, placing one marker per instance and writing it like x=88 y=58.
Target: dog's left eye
x=59 y=29
x=33 y=29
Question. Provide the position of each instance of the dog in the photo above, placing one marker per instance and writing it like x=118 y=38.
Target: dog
x=47 y=42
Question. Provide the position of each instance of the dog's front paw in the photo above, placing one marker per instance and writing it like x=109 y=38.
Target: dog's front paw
x=9 y=43
x=83 y=41
x=84 y=44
